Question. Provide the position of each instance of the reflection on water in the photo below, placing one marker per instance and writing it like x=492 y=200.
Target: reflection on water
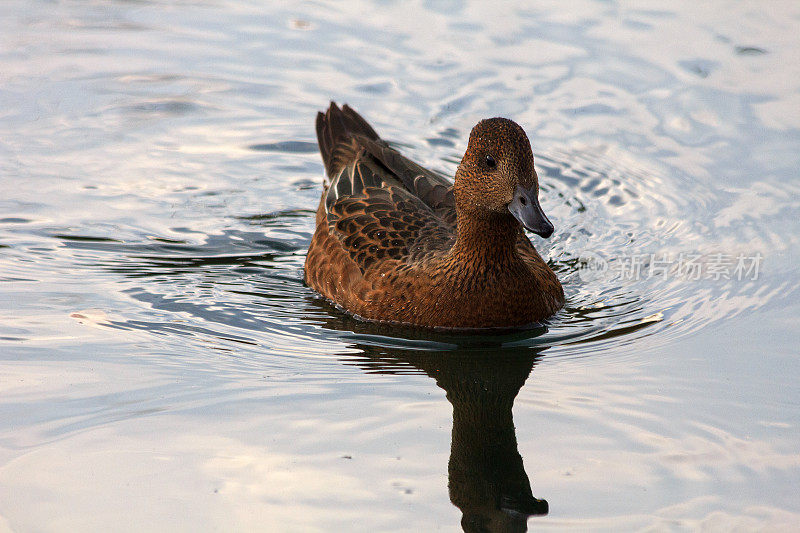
x=158 y=176
x=487 y=479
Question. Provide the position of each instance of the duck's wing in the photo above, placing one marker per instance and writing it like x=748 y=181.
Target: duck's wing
x=348 y=143
x=433 y=189
x=381 y=223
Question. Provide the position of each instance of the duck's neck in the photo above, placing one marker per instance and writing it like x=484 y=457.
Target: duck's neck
x=485 y=239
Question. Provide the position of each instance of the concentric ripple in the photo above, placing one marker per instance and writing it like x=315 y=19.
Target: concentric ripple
x=244 y=285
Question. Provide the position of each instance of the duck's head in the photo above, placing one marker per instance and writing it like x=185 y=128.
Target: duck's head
x=496 y=175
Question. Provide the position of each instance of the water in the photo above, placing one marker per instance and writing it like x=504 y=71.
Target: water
x=164 y=367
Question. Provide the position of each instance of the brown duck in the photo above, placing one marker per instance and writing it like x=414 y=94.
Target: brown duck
x=398 y=243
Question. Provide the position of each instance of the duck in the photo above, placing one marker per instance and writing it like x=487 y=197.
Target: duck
x=400 y=244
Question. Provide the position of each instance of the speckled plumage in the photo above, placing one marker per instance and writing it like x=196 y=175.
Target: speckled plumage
x=396 y=242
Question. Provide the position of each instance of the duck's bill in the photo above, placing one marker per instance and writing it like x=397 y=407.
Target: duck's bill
x=525 y=208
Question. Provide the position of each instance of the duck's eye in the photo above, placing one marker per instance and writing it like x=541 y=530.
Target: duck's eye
x=490 y=162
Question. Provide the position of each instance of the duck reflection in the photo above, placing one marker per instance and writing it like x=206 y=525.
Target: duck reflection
x=487 y=479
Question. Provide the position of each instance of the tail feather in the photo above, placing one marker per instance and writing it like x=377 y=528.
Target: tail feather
x=337 y=126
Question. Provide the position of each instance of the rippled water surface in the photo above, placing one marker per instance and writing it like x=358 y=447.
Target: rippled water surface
x=163 y=366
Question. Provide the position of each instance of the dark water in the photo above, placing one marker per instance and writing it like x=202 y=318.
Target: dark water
x=163 y=367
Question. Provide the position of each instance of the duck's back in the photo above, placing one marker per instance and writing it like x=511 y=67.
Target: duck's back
x=384 y=228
